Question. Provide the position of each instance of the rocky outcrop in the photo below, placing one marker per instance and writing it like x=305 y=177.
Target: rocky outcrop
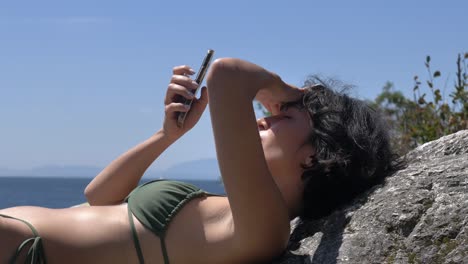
x=420 y=215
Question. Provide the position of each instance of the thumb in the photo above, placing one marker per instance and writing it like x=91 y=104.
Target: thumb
x=204 y=95
x=199 y=104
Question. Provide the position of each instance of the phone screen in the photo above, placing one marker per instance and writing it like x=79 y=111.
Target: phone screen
x=199 y=79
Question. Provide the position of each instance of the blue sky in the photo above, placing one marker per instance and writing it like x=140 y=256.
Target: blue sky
x=83 y=81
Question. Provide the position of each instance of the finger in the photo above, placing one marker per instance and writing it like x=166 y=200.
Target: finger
x=184 y=81
x=174 y=89
x=274 y=109
x=204 y=95
x=176 y=107
x=269 y=109
x=199 y=105
x=183 y=70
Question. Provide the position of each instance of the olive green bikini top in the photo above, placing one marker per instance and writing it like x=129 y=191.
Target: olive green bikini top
x=155 y=203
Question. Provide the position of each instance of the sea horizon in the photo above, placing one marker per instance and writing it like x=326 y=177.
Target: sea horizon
x=62 y=192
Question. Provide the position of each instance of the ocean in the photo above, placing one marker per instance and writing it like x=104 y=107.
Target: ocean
x=62 y=192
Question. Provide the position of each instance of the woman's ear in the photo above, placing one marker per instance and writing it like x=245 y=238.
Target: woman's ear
x=308 y=155
x=309 y=160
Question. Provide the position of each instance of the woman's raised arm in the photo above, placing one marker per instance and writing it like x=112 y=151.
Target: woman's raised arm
x=119 y=178
x=260 y=214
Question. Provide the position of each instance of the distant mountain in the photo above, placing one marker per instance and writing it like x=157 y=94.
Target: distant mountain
x=205 y=169
x=68 y=171
x=7 y=172
x=54 y=171
x=65 y=171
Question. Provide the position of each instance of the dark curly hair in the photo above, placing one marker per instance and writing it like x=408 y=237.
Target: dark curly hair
x=352 y=148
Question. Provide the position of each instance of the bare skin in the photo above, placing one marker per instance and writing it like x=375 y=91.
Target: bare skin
x=101 y=234
x=250 y=224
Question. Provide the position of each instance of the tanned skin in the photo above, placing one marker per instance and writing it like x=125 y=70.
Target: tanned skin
x=250 y=224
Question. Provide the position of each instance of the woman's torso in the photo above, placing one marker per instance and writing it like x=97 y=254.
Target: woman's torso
x=102 y=234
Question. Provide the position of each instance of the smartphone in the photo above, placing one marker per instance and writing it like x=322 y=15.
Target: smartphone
x=199 y=79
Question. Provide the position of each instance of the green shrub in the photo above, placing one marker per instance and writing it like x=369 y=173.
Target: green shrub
x=421 y=119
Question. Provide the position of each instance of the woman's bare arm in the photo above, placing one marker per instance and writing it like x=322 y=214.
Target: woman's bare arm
x=119 y=178
x=259 y=212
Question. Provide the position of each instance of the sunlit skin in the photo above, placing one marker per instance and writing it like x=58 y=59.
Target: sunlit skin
x=262 y=177
x=284 y=135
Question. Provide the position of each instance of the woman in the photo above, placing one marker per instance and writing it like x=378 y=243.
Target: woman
x=316 y=151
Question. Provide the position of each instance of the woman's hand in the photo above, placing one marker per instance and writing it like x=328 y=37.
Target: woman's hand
x=181 y=86
x=279 y=92
x=254 y=81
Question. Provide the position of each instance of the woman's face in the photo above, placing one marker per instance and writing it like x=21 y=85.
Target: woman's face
x=284 y=135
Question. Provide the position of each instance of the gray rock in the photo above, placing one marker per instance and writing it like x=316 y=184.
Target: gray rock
x=420 y=215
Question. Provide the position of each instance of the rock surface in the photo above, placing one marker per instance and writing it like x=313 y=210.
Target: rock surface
x=420 y=215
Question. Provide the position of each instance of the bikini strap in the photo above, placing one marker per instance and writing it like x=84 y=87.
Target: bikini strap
x=135 y=238
x=28 y=224
x=164 y=250
x=36 y=250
